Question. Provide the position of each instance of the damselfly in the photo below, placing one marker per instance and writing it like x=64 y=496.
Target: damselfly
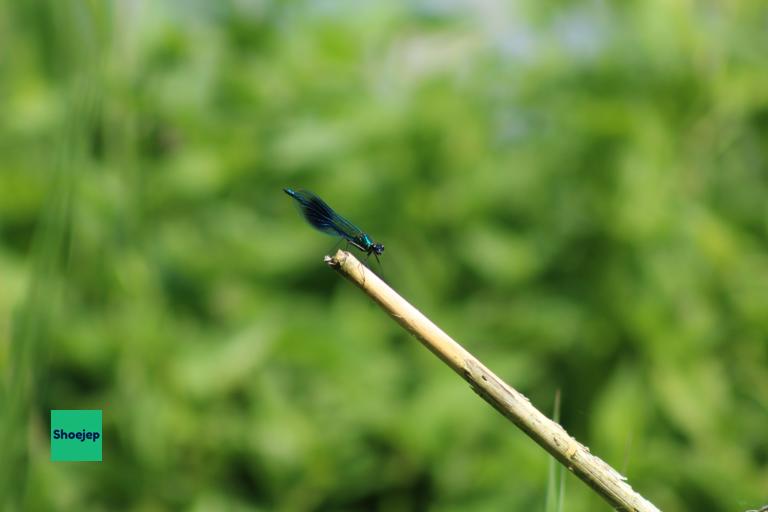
x=323 y=218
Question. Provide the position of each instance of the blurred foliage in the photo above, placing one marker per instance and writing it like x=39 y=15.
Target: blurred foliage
x=575 y=190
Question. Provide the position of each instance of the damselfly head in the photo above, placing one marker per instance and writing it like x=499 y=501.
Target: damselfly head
x=377 y=248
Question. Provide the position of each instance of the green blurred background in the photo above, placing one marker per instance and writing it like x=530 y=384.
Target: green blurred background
x=576 y=191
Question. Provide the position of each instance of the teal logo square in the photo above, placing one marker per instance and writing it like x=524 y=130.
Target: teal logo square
x=76 y=435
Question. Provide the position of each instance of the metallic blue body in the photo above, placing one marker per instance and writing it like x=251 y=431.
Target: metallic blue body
x=323 y=218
